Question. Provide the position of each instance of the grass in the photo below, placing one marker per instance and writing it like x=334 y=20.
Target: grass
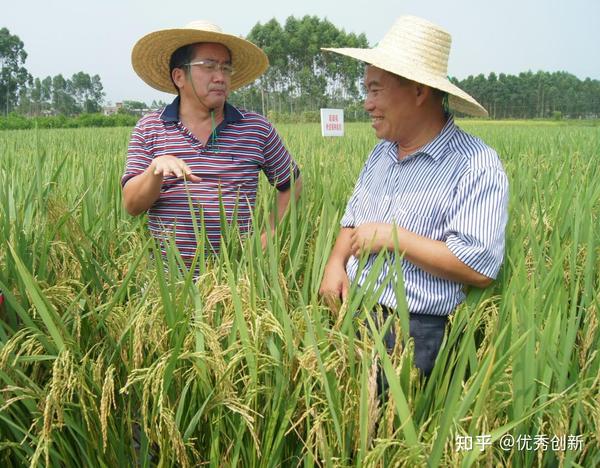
x=246 y=367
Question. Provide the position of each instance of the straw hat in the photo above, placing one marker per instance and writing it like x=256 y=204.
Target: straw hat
x=151 y=54
x=418 y=50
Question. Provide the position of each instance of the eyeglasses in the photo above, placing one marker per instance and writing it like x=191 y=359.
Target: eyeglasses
x=212 y=66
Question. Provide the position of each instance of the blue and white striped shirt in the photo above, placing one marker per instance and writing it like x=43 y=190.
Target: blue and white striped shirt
x=454 y=189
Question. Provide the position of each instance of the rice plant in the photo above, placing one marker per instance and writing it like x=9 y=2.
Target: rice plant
x=106 y=359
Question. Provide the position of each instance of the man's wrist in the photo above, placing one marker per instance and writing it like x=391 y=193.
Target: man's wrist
x=393 y=238
x=152 y=174
x=337 y=261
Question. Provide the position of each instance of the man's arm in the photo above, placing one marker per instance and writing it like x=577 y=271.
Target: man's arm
x=279 y=166
x=140 y=192
x=430 y=255
x=283 y=198
x=335 y=283
x=475 y=225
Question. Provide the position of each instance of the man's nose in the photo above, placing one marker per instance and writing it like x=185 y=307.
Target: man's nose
x=218 y=75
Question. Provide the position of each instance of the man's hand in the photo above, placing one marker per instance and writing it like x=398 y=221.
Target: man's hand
x=370 y=238
x=172 y=166
x=334 y=286
x=140 y=192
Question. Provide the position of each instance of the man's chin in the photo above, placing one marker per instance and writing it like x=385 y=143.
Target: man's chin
x=380 y=134
x=217 y=102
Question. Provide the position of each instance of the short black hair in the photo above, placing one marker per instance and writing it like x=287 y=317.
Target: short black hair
x=180 y=58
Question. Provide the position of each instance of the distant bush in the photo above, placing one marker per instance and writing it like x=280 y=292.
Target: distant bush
x=20 y=122
x=310 y=117
x=14 y=122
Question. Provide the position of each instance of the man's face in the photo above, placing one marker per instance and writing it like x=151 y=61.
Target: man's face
x=206 y=81
x=390 y=103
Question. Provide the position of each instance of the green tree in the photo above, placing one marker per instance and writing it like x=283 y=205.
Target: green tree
x=133 y=107
x=14 y=77
x=301 y=76
x=535 y=95
x=87 y=91
x=157 y=104
x=96 y=95
x=80 y=93
x=63 y=101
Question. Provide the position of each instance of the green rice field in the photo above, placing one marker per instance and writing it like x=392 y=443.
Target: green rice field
x=106 y=360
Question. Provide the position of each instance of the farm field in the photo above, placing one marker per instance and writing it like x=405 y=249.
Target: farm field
x=104 y=357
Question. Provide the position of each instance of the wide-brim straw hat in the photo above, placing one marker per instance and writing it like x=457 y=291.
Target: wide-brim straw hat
x=417 y=50
x=151 y=54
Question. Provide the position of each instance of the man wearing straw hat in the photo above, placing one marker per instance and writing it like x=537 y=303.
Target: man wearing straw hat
x=428 y=190
x=201 y=155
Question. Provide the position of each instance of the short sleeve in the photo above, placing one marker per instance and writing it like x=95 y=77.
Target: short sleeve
x=477 y=218
x=139 y=156
x=278 y=163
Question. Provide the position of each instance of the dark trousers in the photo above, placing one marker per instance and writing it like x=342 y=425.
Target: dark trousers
x=427 y=331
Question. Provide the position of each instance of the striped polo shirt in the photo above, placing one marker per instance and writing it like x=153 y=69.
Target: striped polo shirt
x=229 y=165
x=455 y=190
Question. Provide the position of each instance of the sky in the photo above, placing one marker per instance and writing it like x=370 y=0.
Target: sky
x=510 y=36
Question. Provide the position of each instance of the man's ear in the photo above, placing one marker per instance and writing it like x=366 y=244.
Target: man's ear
x=178 y=75
x=422 y=93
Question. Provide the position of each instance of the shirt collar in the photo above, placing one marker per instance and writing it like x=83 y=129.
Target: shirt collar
x=171 y=113
x=436 y=148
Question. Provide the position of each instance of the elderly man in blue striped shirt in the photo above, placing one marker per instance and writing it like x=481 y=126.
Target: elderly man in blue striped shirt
x=428 y=190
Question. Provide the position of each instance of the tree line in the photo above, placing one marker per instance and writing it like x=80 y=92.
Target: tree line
x=301 y=79
x=80 y=94
x=21 y=93
x=535 y=95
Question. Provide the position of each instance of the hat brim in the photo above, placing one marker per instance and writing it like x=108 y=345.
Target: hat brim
x=458 y=99
x=151 y=55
